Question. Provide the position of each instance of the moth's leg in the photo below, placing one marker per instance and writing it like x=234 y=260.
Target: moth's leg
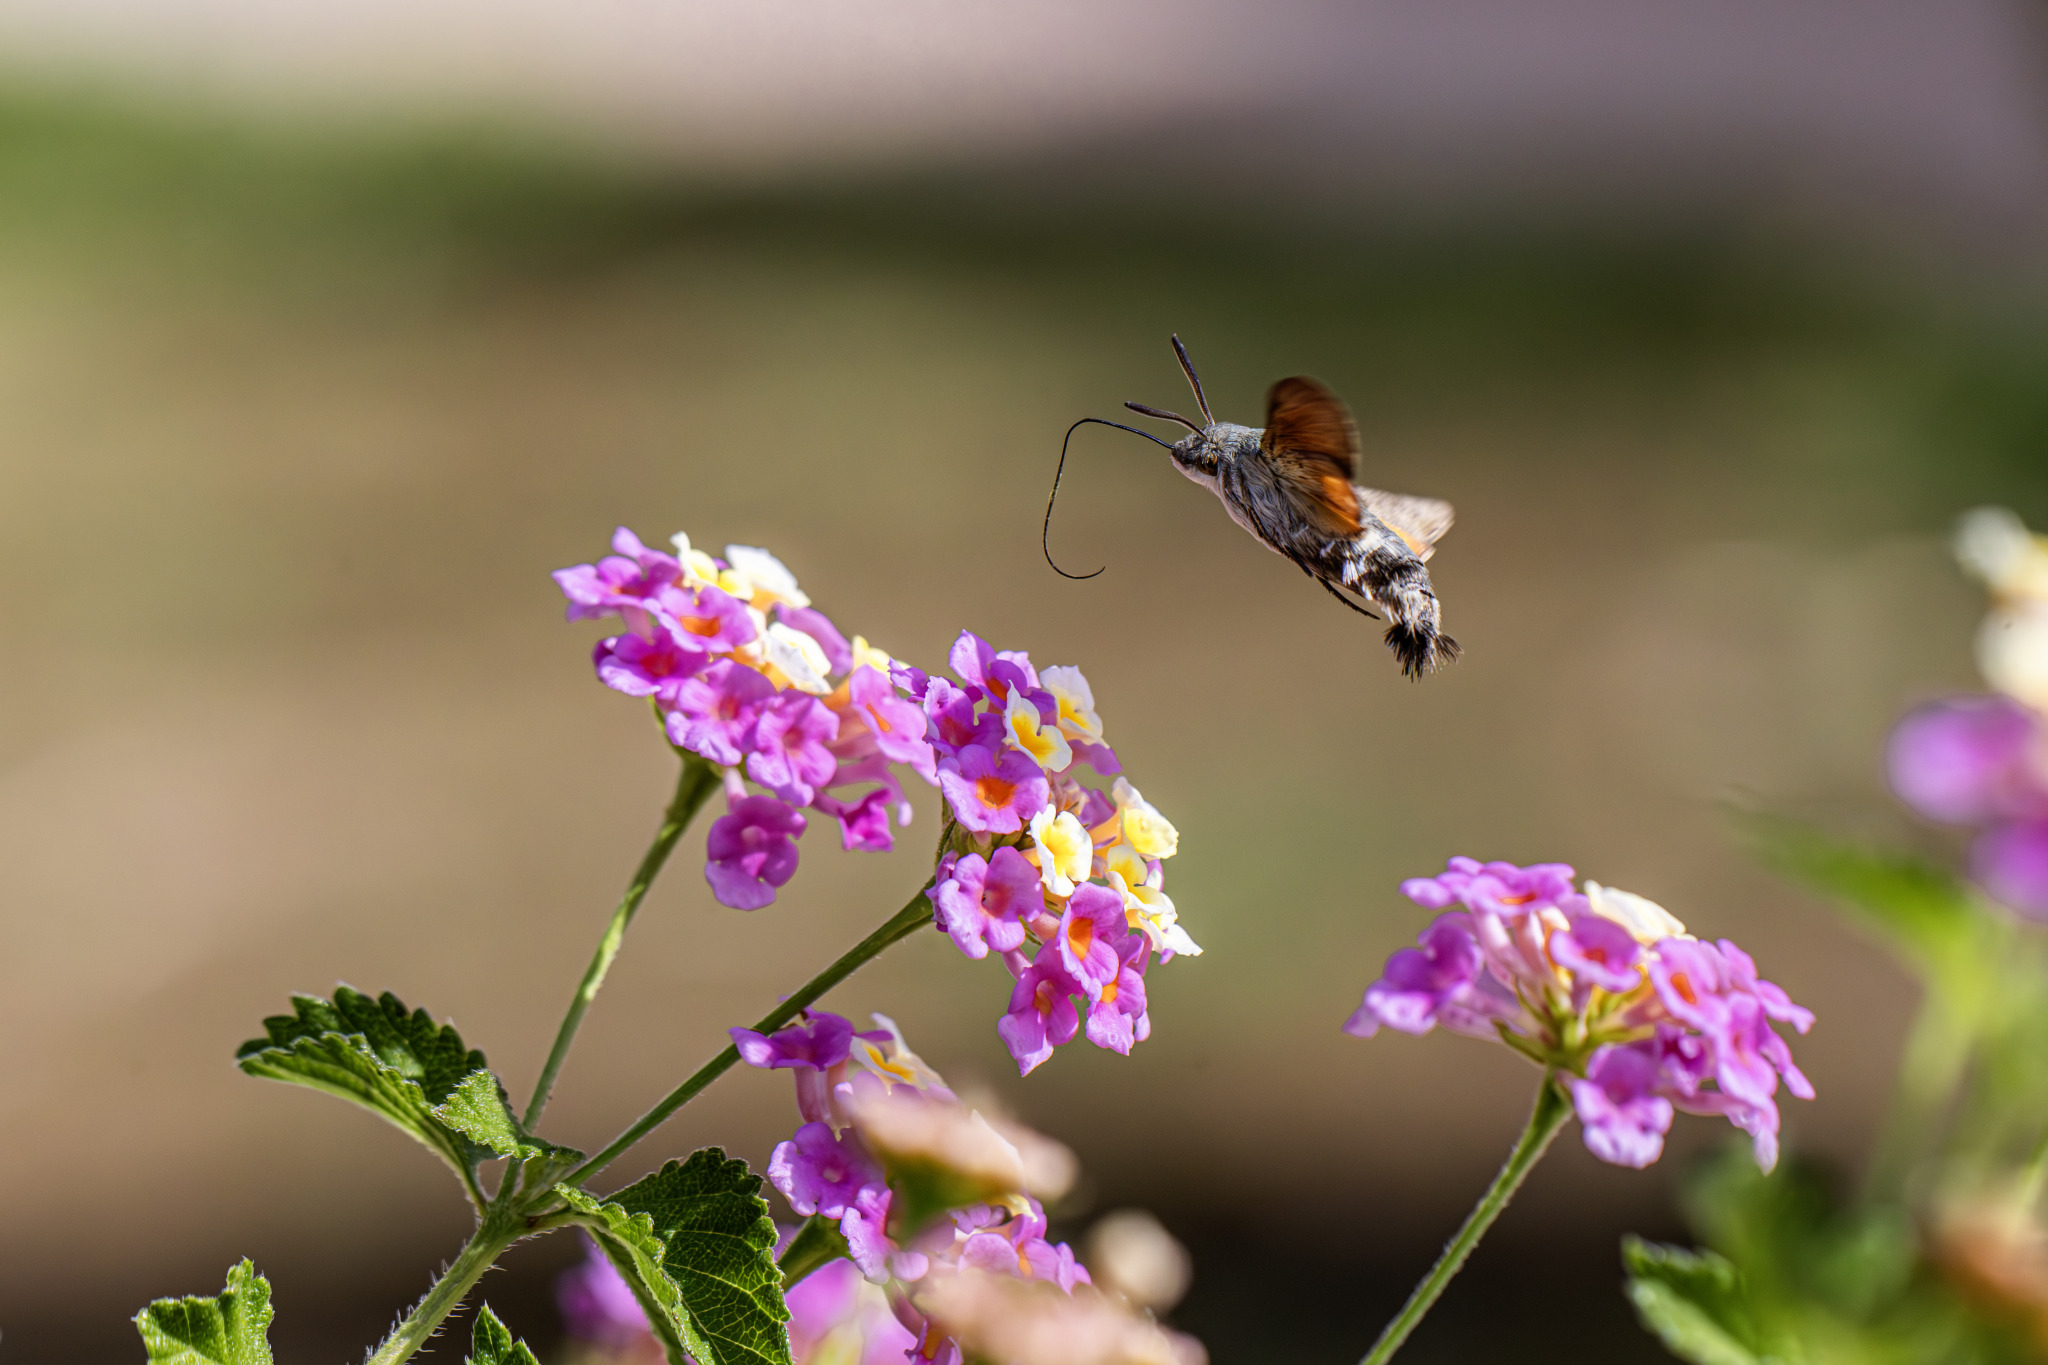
x=1328 y=588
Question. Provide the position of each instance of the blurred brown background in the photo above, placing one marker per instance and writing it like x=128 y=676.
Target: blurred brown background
x=325 y=335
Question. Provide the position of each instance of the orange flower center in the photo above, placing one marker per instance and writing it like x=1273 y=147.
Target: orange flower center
x=1109 y=994
x=993 y=791
x=1080 y=935
x=706 y=626
x=1684 y=988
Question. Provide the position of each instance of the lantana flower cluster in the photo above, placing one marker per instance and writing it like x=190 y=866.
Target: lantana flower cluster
x=745 y=673
x=924 y=1189
x=1062 y=880
x=1982 y=760
x=1604 y=988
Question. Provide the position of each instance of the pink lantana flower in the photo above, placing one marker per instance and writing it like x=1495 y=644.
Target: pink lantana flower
x=714 y=712
x=1041 y=1014
x=992 y=791
x=751 y=851
x=982 y=902
x=789 y=754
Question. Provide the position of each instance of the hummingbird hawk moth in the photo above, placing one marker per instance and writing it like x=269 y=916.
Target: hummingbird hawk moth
x=1289 y=483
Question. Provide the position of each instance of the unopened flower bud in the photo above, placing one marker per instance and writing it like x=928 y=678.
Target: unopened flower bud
x=1129 y=1253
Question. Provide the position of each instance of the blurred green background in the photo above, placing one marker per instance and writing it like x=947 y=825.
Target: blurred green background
x=296 y=415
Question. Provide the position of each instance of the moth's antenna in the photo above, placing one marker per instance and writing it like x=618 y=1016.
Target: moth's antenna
x=1163 y=415
x=1045 y=537
x=1189 y=366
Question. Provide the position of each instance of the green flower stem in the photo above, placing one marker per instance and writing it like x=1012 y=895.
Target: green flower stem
x=2032 y=1177
x=1552 y=1110
x=698 y=780
x=1936 y=1057
x=497 y=1231
x=913 y=916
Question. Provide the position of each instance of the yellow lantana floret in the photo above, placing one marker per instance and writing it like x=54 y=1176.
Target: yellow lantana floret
x=770 y=578
x=1027 y=731
x=1149 y=832
x=1147 y=908
x=1076 y=702
x=1064 y=851
x=1646 y=921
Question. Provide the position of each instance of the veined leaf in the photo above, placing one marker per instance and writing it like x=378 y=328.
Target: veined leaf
x=716 y=1256
x=397 y=1063
x=232 y=1328
x=629 y=1243
x=1693 y=1302
x=490 y=1343
x=479 y=1111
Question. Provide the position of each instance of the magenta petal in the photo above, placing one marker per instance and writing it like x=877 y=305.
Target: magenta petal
x=1964 y=760
x=2011 y=863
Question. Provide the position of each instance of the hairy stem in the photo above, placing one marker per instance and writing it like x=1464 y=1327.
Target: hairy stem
x=698 y=780
x=1546 y=1120
x=915 y=914
x=493 y=1235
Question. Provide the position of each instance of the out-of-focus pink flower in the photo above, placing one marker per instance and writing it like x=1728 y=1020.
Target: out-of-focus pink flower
x=597 y=1304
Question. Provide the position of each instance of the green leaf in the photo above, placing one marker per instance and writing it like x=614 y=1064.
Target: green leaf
x=375 y=1053
x=715 y=1254
x=629 y=1243
x=230 y=1329
x=491 y=1344
x=479 y=1111
x=1692 y=1301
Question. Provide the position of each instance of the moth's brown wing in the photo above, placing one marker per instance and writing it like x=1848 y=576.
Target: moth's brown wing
x=1419 y=521
x=1312 y=448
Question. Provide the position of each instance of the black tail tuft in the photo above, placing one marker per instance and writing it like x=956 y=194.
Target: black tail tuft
x=1420 y=648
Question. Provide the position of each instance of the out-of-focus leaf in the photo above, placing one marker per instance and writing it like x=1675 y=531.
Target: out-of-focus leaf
x=1693 y=1302
x=232 y=1328
x=490 y=1343
x=1929 y=915
x=395 y=1062
x=697 y=1235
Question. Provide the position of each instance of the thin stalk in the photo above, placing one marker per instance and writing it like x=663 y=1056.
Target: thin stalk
x=2032 y=1177
x=915 y=914
x=1546 y=1120
x=698 y=780
x=492 y=1236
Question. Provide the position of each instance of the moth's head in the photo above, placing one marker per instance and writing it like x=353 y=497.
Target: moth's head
x=1199 y=453
x=1196 y=454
